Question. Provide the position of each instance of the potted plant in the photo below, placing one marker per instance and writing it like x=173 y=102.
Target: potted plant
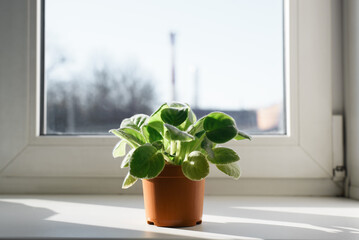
x=171 y=151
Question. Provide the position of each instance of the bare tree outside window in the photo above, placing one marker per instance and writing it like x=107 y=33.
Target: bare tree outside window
x=83 y=106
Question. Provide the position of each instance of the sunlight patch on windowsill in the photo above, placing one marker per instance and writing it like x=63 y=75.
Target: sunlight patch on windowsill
x=324 y=211
x=126 y=218
x=221 y=219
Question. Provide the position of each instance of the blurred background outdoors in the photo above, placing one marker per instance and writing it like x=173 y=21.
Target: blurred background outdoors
x=106 y=60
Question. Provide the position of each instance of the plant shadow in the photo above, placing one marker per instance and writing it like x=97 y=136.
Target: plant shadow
x=20 y=221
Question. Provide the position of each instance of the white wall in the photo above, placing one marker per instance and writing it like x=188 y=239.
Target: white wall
x=351 y=73
x=13 y=75
x=337 y=62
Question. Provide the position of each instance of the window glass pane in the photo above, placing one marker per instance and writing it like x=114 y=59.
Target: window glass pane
x=106 y=60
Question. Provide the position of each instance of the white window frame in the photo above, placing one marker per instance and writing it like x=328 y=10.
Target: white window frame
x=299 y=163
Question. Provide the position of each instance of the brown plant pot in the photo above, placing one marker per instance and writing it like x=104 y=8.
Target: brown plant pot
x=172 y=200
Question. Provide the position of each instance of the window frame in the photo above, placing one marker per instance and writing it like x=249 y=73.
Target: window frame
x=303 y=157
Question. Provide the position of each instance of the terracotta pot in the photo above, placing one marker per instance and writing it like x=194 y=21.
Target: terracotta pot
x=172 y=200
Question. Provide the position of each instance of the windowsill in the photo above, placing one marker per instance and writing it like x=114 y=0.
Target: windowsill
x=225 y=217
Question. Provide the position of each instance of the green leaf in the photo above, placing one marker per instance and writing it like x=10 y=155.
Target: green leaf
x=208 y=146
x=158 y=125
x=174 y=116
x=191 y=119
x=158 y=145
x=134 y=122
x=155 y=120
x=129 y=181
x=195 y=167
x=242 y=135
x=146 y=162
x=231 y=169
x=157 y=114
x=132 y=136
x=199 y=134
x=136 y=135
x=126 y=160
x=223 y=155
x=151 y=134
x=197 y=127
x=120 y=149
x=175 y=134
x=219 y=127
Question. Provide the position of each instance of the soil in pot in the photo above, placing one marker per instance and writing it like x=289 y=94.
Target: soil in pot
x=172 y=200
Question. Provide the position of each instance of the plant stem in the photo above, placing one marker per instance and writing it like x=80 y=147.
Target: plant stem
x=173 y=147
x=197 y=144
x=178 y=147
x=177 y=158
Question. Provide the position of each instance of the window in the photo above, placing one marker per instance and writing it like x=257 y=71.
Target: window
x=122 y=57
x=301 y=159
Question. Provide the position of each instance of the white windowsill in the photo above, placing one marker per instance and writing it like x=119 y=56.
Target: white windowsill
x=122 y=217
